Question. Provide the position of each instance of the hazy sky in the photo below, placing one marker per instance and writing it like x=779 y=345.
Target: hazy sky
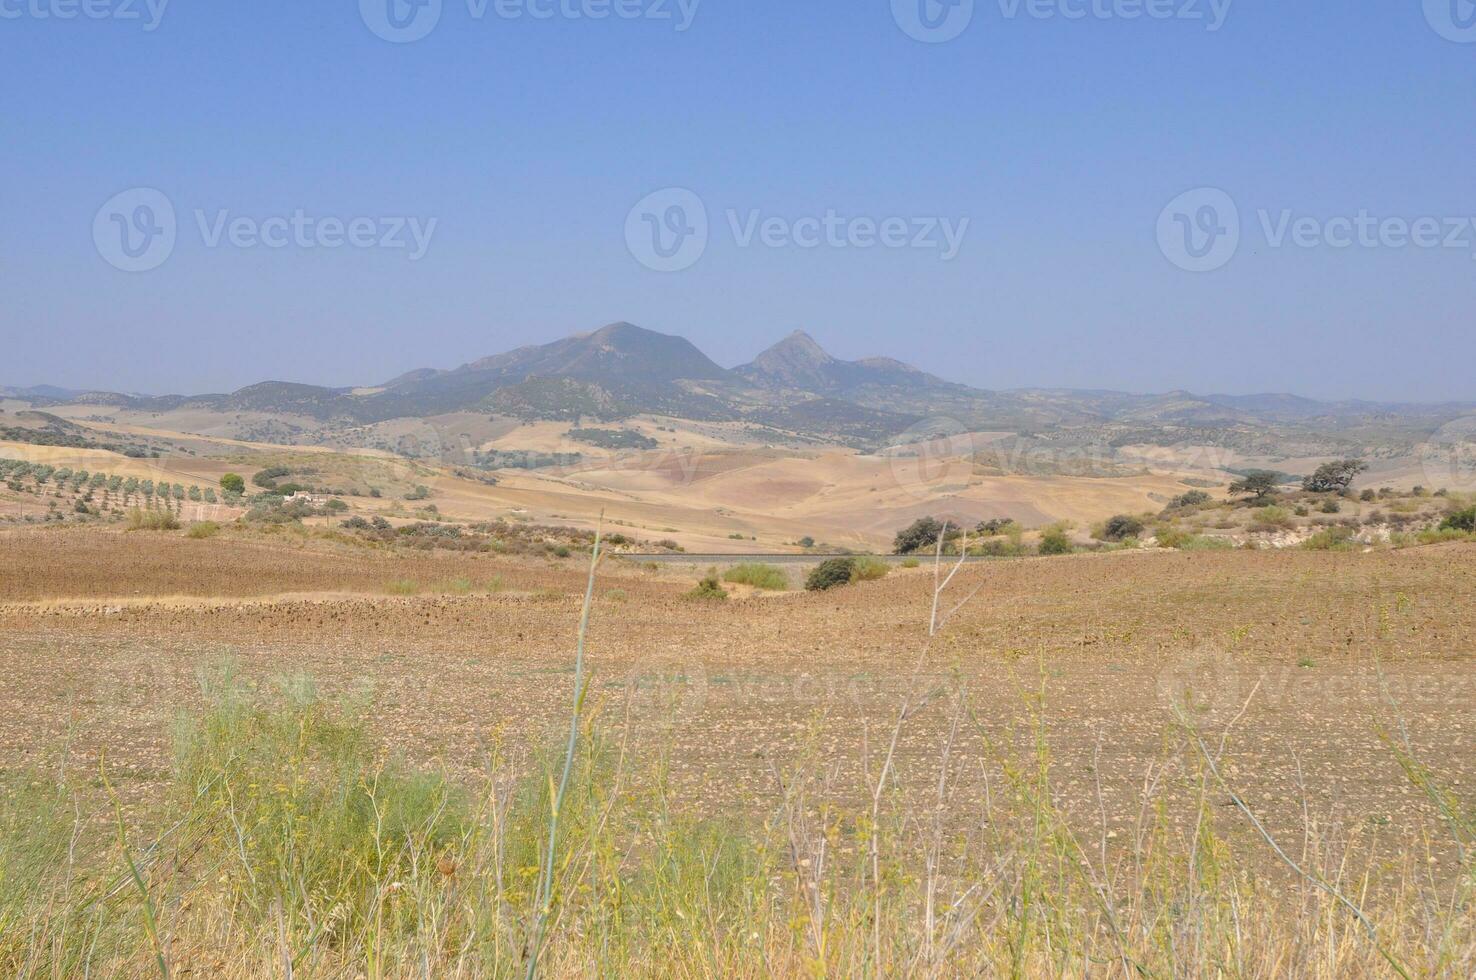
x=1061 y=131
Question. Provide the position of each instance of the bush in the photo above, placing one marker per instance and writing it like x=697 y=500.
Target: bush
x=1121 y=527
x=1194 y=498
x=233 y=483
x=1053 y=541
x=831 y=573
x=1331 y=539
x=1368 y=495
x=267 y=478
x=1204 y=542
x=1461 y=520
x=911 y=563
x=1331 y=506
x=1272 y=517
x=151 y=520
x=1000 y=548
x=759 y=576
x=203 y=529
x=867 y=568
x=709 y=588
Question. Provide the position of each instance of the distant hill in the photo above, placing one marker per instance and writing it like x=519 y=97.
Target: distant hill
x=39 y=393
x=798 y=363
x=795 y=387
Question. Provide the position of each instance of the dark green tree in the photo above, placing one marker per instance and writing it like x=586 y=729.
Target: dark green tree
x=1257 y=483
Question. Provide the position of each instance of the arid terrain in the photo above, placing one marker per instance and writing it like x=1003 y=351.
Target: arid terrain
x=105 y=633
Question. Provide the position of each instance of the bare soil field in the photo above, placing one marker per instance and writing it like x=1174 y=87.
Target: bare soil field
x=103 y=635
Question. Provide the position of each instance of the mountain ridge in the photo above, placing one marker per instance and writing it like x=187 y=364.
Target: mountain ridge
x=621 y=370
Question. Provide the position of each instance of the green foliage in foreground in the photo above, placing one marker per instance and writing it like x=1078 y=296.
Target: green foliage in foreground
x=831 y=573
x=868 y=568
x=288 y=843
x=759 y=576
x=709 y=588
x=1054 y=541
x=1461 y=520
x=152 y=520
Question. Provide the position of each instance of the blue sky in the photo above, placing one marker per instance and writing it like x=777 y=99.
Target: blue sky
x=527 y=141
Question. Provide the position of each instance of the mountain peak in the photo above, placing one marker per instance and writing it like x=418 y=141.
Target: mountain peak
x=796 y=358
x=798 y=362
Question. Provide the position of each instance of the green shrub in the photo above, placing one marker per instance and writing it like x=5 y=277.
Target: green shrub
x=1331 y=539
x=1205 y=542
x=1272 y=516
x=1331 y=506
x=203 y=529
x=831 y=573
x=151 y=520
x=1442 y=535
x=867 y=568
x=1054 y=541
x=708 y=588
x=1194 y=498
x=403 y=586
x=911 y=563
x=1121 y=527
x=1461 y=520
x=769 y=577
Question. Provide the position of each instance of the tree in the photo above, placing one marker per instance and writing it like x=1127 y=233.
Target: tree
x=1260 y=483
x=1334 y=477
x=921 y=534
x=233 y=484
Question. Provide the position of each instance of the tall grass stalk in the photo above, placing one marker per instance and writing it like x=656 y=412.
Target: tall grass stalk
x=545 y=886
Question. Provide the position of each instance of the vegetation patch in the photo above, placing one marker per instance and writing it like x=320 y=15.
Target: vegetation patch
x=759 y=576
